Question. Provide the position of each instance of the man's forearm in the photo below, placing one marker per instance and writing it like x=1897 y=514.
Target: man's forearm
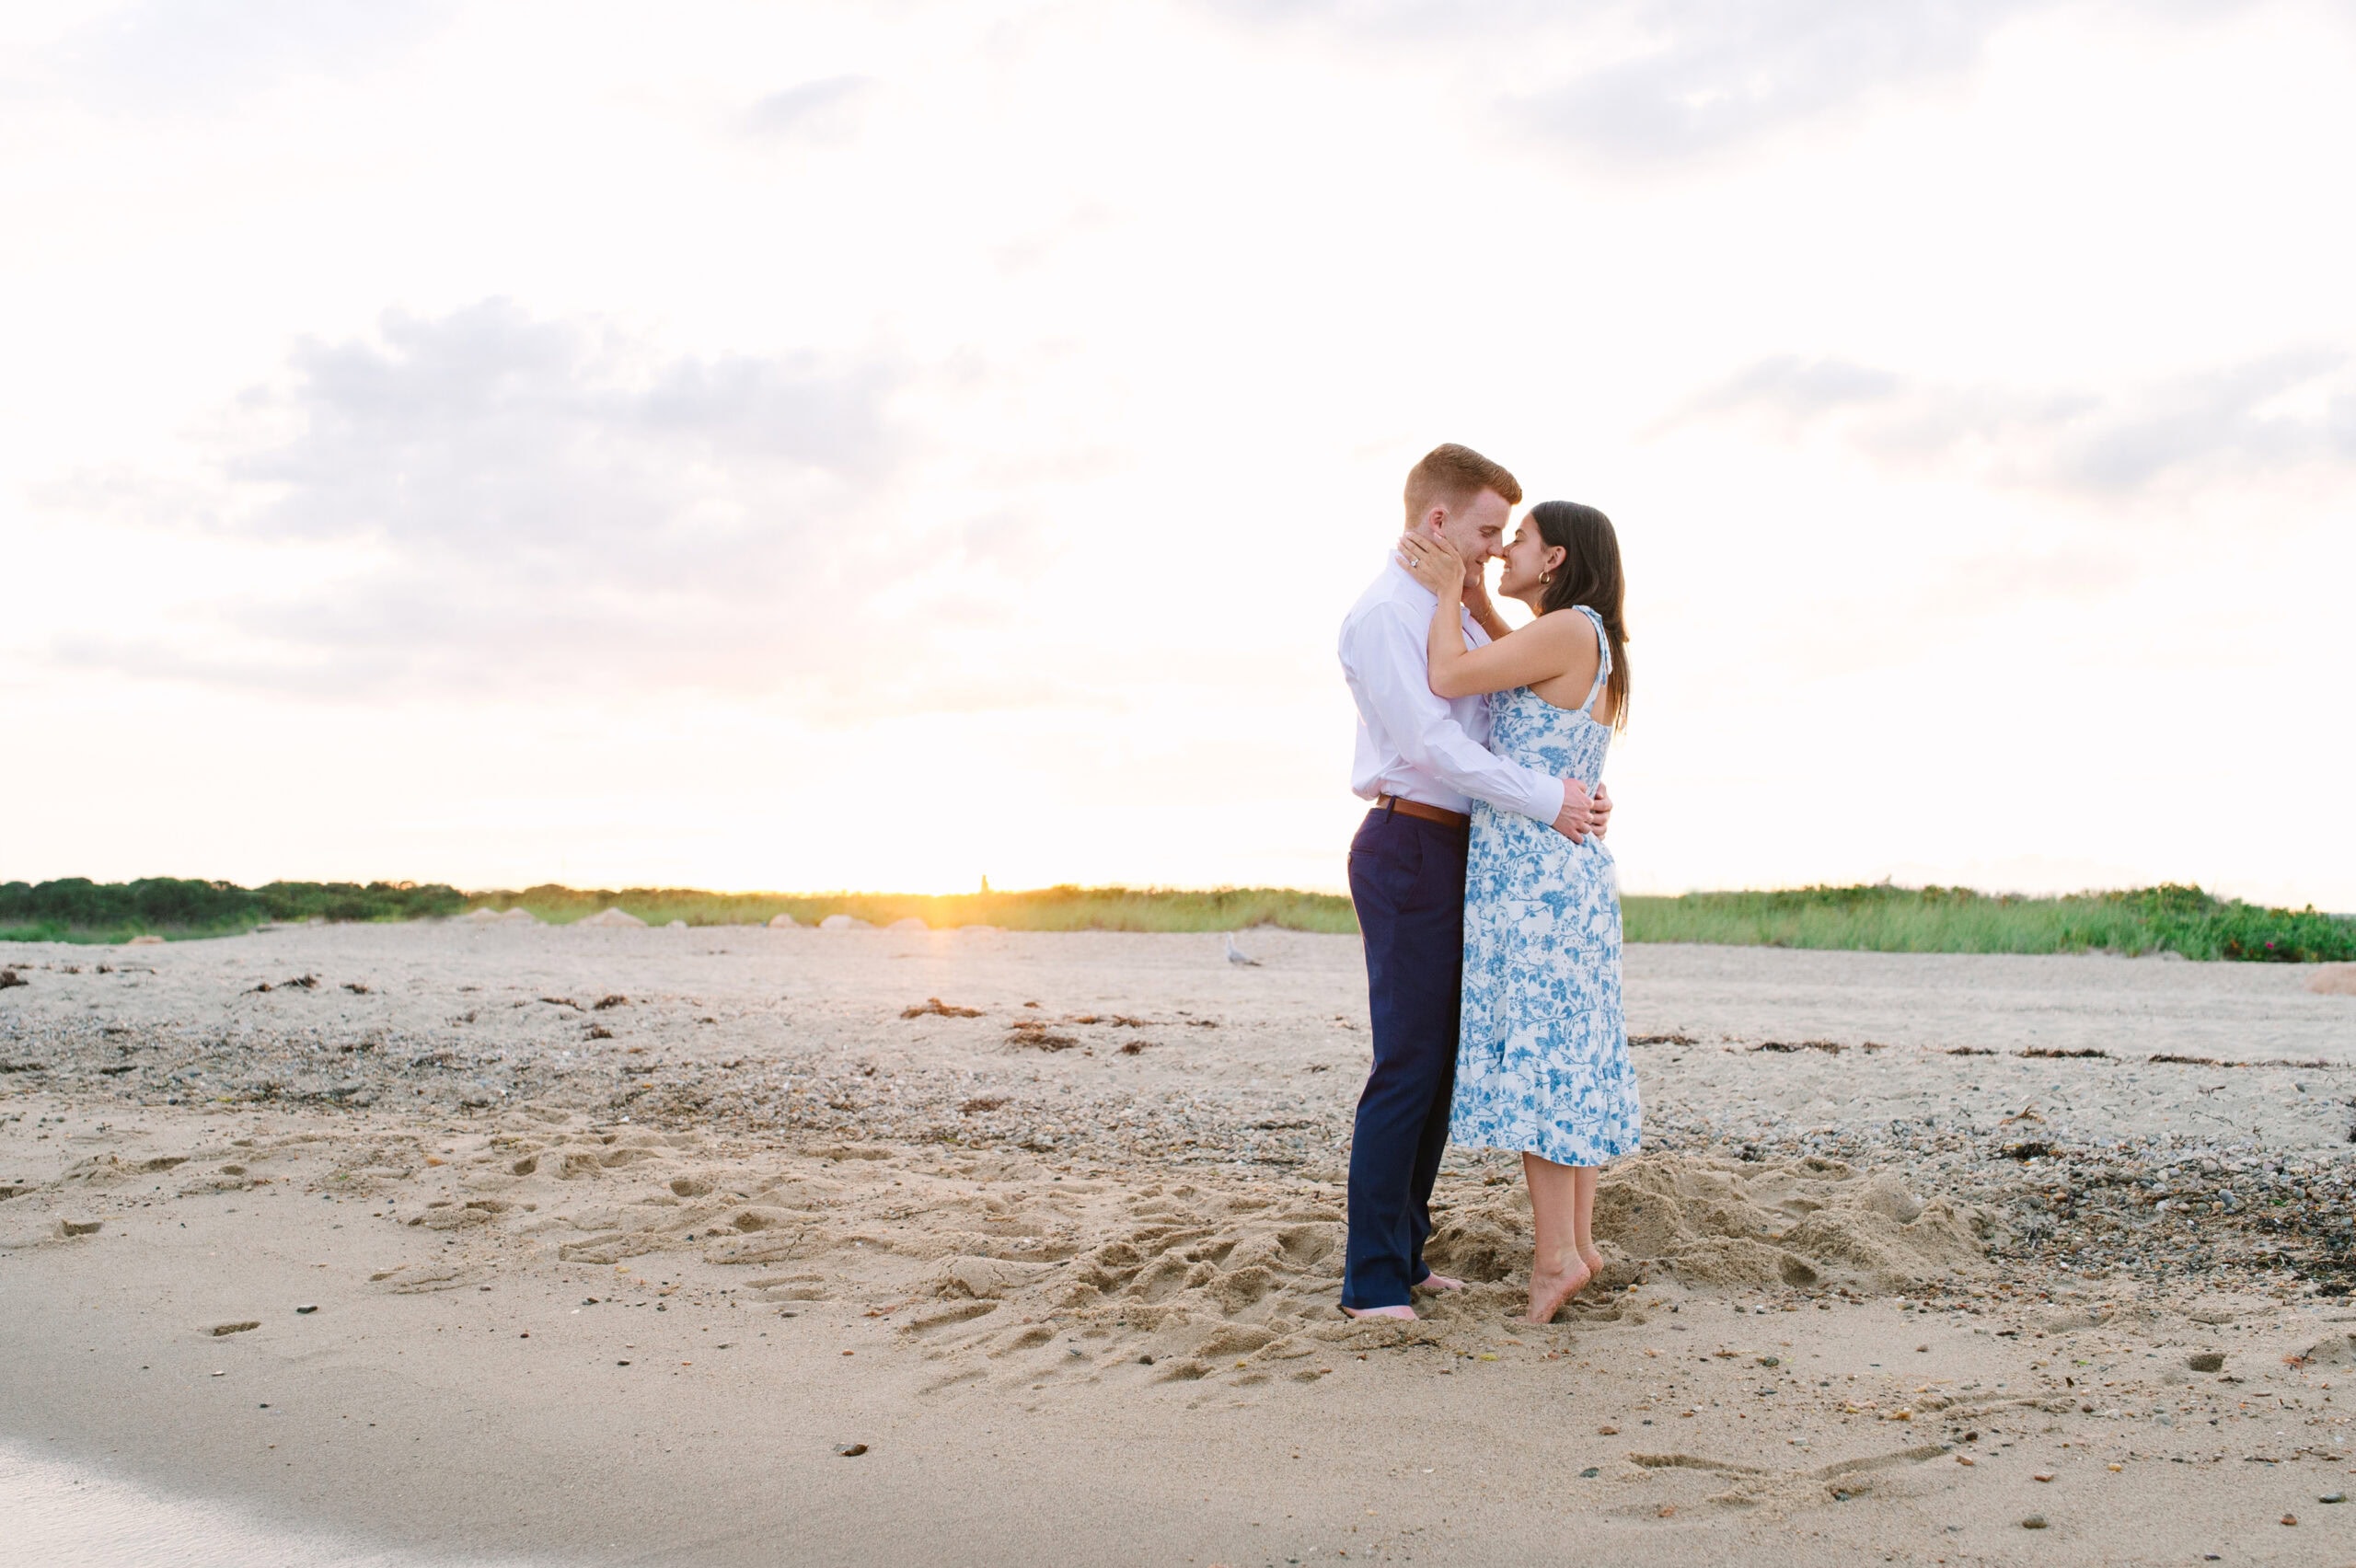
x=1507 y=786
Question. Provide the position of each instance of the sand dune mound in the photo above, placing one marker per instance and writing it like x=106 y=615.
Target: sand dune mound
x=1722 y=1223
x=1735 y=1225
x=1800 y=1222
x=779 y=922
x=2334 y=980
x=2333 y=1350
x=613 y=916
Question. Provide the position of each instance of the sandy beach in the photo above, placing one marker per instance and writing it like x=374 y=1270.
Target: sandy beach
x=560 y=1245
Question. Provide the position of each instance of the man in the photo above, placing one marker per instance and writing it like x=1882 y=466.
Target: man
x=1421 y=759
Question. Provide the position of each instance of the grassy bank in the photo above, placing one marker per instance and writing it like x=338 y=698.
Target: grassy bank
x=78 y=910
x=1875 y=919
x=1041 y=909
x=1880 y=918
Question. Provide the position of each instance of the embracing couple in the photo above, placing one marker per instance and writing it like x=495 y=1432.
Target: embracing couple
x=1487 y=900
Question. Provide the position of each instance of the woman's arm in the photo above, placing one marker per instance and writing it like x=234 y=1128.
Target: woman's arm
x=1541 y=650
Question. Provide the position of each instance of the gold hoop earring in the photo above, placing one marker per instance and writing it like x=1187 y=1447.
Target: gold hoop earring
x=1545 y=579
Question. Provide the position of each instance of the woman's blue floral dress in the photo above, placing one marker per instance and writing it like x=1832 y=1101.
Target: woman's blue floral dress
x=1542 y=1061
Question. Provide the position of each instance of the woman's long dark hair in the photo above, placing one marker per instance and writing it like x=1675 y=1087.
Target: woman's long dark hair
x=1590 y=575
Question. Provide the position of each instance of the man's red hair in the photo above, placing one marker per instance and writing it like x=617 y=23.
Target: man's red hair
x=1450 y=475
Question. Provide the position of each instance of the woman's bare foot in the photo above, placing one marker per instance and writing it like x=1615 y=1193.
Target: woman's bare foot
x=1438 y=1282
x=1406 y=1312
x=1548 y=1291
x=1594 y=1262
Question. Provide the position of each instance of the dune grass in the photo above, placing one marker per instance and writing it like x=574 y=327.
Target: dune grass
x=74 y=909
x=1878 y=917
x=1881 y=918
x=1041 y=909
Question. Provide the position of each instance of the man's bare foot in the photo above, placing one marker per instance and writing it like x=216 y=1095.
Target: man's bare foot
x=1438 y=1282
x=1549 y=1291
x=1406 y=1312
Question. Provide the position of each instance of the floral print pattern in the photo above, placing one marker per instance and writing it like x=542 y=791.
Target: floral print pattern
x=1542 y=1060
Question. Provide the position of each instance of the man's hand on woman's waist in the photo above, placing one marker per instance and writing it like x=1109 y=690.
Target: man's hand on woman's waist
x=1576 y=819
x=1583 y=814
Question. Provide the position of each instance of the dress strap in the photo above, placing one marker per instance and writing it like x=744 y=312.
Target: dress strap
x=1602 y=660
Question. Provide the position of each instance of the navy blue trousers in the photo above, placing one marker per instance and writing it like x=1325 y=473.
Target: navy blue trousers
x=1407 y=880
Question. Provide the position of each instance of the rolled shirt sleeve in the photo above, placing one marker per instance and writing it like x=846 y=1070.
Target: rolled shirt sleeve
x=1383 y=657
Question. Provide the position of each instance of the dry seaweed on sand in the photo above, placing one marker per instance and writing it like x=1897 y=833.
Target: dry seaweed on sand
x=935 y=1007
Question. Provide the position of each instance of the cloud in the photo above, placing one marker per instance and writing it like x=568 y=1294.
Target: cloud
x=166 y=55
x=824 y=112
x=1656 y=80
x=2269 y=414
x=1706 y=74
x=491 y=425
x=534 y=502
x=1803 y=388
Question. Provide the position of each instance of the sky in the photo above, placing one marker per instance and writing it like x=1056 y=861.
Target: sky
x=887 y=445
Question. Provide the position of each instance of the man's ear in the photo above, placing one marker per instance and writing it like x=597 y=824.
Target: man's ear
x=1432 y=522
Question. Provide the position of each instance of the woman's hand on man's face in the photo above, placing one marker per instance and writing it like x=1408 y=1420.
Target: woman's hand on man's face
x=1434 y=562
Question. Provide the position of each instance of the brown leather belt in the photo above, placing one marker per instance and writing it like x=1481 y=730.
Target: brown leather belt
x=1418 y=809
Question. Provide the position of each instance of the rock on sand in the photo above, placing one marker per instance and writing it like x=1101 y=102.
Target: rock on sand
x=782 y=922
x=907 y=923
x=614 y=917
x=844 y=923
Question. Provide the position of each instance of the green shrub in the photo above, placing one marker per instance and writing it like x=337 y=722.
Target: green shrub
x=77 y=909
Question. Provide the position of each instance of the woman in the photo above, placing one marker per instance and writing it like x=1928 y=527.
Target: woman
x=1542 y=1061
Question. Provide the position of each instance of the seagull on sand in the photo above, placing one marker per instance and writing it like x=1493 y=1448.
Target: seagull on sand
x=1237 y=955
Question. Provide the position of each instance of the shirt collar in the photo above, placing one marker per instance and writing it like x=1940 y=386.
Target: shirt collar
x=1417 y=593
x=1407 y=584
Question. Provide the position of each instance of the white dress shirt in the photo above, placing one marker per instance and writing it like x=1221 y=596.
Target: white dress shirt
x=1412 y=743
